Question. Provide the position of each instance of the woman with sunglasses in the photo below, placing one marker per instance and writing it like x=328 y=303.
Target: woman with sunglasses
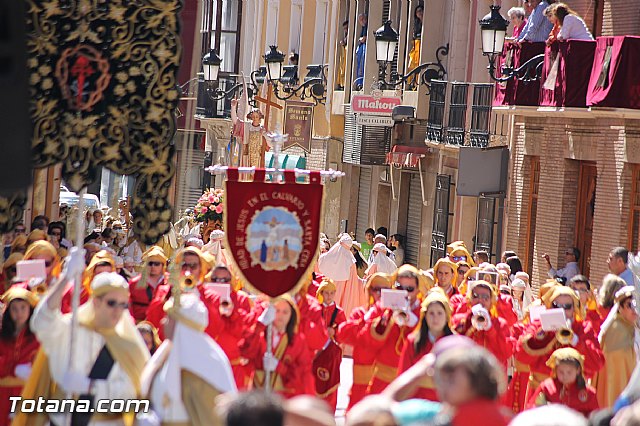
x=385 y=335
x=435 y=323
x=617 y=337
x=482 y=322
x=348 y=332
x=536 y=346
x=18 y=346
x=228 y=317
x=142 y=293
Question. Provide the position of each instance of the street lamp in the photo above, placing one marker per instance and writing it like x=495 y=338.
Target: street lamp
x=211 y=66
x=494 y=30
x=274 y=59
x=386 y=43
x=283 y=79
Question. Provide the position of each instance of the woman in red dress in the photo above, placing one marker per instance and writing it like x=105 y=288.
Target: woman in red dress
x=435 y=322
x=290 y=360
x=18 y=346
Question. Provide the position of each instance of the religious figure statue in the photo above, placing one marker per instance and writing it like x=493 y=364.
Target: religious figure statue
x=251 y=131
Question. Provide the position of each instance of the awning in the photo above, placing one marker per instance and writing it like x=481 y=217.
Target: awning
x=406 y=156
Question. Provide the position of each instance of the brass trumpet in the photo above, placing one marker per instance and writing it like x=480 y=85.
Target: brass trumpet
x=564 y=336
x=40 y=289
x=187 y=282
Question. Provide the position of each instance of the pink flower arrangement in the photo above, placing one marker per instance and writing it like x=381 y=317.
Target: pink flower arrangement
x=210 y=205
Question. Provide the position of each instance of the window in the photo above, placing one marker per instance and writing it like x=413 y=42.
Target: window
x=634 y=211
x=441 y=214
x=295 y=27
x=534 y=188
x=225 y=34
x=485 y=225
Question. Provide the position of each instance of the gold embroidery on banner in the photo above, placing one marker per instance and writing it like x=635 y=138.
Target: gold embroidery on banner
x=103 y=83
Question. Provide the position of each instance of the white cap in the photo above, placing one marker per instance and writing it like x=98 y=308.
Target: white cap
x=380 y=247
x=107 y=281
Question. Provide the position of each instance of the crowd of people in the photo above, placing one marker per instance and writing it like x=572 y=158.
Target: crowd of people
x=546 y=21
x=465 y=342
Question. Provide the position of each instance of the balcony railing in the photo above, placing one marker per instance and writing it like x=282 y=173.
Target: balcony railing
x=210 y=108
x=576 y=73
x=454 y=111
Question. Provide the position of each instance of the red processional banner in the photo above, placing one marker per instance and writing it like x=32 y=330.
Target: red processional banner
x=272 y=229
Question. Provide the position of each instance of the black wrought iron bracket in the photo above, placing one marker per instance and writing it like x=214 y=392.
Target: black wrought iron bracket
x=314 y=88
x=529 y=71
x=218 y=94
x=427 y=71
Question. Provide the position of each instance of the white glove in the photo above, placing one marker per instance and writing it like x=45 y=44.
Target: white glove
x=74 y=263
x=479 y=311
x=23 y=371
x=148 y=419
x=413 y=319
x=75 y=382
x=369 y=314
x=269 y=362
x=268 y=315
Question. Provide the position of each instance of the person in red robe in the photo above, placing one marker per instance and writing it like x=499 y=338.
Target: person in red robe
x=445 y=274
x=289 y=361
x=363 y=358
x=326 y=363
x=101 y=262
x=194 y=267
x=141 y=294
x=581 y=285
x=42 y=250
x=483 y=324
x=18 y=346
x=435 y=323
x=386 y=335
x=312 y=324
x=567 y=385
x=536 y=347
x=229 y=318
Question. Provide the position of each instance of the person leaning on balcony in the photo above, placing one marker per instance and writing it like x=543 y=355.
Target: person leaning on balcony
x=537 y=28
x=342 y=67
x=518 y=19
x=567 y=25
x=414 y=54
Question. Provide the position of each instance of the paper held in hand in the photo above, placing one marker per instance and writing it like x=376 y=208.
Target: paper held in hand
x=553 y=319
x=395 y=299
x=27 y=269
x=535 y=311
x=223 y=291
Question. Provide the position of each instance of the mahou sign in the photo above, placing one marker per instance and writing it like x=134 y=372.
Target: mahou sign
x=368 y=104
x=272 y=229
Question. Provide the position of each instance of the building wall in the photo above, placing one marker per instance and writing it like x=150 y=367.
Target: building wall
x=562 y=143
x=621 y=17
